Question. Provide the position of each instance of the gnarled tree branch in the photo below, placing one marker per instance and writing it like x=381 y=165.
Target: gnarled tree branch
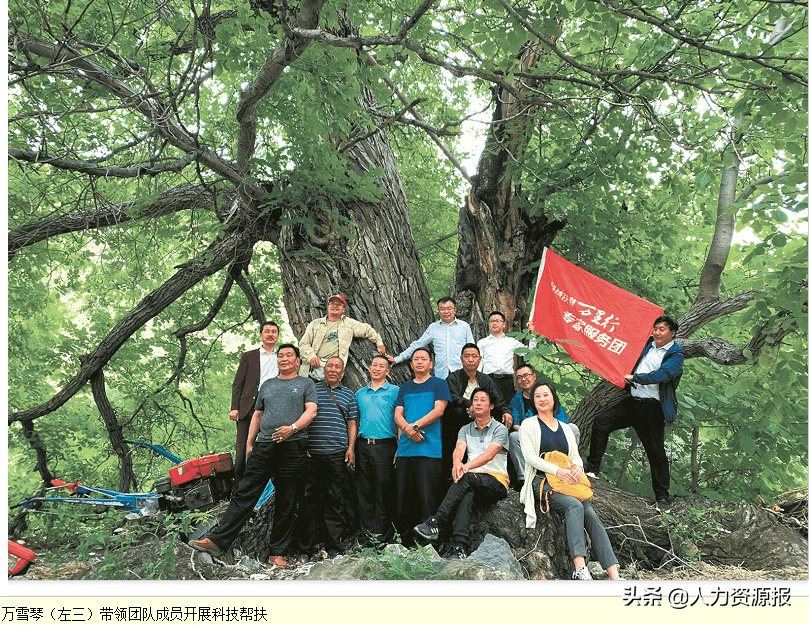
x=180 y=198
x=281 y=58
x=148 y=104
x=114 y=431
x=234 y=246
x=256 y=309
x=726 y=353
x=89 y=167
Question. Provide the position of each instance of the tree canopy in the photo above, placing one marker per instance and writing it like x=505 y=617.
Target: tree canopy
x=181 y=169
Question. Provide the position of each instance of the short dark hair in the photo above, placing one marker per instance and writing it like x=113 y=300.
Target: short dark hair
x=269 y=322
x=553 y=394
x=470 y=346
x=481 y=390
x=446 y=299
x=525 y=365
x=422 y=349
x=290 y=346
x=497 y=312
x=673 y=326
x=377 y=356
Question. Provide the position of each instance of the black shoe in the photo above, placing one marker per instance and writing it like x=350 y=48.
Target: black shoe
x=457 y=553
x=518 y=484
x=429 y=529
x=590 y=470
x=332 y=554
x=303 y=558
x=663 y=503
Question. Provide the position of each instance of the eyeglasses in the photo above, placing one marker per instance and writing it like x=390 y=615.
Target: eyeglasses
x=525 y=376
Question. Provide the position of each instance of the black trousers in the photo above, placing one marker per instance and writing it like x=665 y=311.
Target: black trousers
x=453 y=419
x=473 y=490
x=375 y=483
x=239 y=460
x=281 y=462
x=323 y=503
x=418 y=492
x=646 y=418
x=506 y=388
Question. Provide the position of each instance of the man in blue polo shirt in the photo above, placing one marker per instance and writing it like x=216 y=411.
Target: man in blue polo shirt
x=332 y=434
x=418 y=409
x=375 y=452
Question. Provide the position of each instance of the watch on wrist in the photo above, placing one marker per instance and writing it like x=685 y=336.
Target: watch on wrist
x=294 y=429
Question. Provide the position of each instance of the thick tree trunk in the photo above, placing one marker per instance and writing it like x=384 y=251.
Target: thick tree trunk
x=377 y=268
x=497 y=238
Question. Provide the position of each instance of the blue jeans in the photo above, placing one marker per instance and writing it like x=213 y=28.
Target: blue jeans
x=579 y=515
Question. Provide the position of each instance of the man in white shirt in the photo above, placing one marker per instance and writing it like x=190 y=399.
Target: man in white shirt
x=255 y=366
x=497 y=352
x=448 y=337
x=651 y=405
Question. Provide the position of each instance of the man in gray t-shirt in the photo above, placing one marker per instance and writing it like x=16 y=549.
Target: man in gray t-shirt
x=276 y=448
x=281 y=402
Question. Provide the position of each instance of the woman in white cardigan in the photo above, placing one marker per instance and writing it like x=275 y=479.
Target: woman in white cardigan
x=538 y=436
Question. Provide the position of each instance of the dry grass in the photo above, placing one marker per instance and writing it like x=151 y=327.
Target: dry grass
x=704 y=571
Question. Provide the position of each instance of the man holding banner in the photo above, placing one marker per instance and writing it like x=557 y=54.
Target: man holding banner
x=607 y=329
x=651 y=405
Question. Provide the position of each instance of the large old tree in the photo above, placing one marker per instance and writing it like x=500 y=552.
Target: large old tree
x=178 y=169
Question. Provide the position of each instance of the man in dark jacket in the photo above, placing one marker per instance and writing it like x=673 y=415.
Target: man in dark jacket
x=255 y=367
x=651 y=405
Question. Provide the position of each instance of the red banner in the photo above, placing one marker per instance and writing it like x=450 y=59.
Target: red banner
x=600 y=325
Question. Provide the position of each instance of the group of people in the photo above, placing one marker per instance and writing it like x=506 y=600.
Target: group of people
x=424 y=455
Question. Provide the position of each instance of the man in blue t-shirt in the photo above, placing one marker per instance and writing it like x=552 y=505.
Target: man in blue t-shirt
x=418 y=409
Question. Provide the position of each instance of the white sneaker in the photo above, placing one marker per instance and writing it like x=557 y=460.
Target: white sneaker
x=582 y=573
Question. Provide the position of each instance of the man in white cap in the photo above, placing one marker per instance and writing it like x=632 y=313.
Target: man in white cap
x=331 y=336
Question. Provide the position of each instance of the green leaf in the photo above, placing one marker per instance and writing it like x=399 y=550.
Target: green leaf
x=702 y=180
